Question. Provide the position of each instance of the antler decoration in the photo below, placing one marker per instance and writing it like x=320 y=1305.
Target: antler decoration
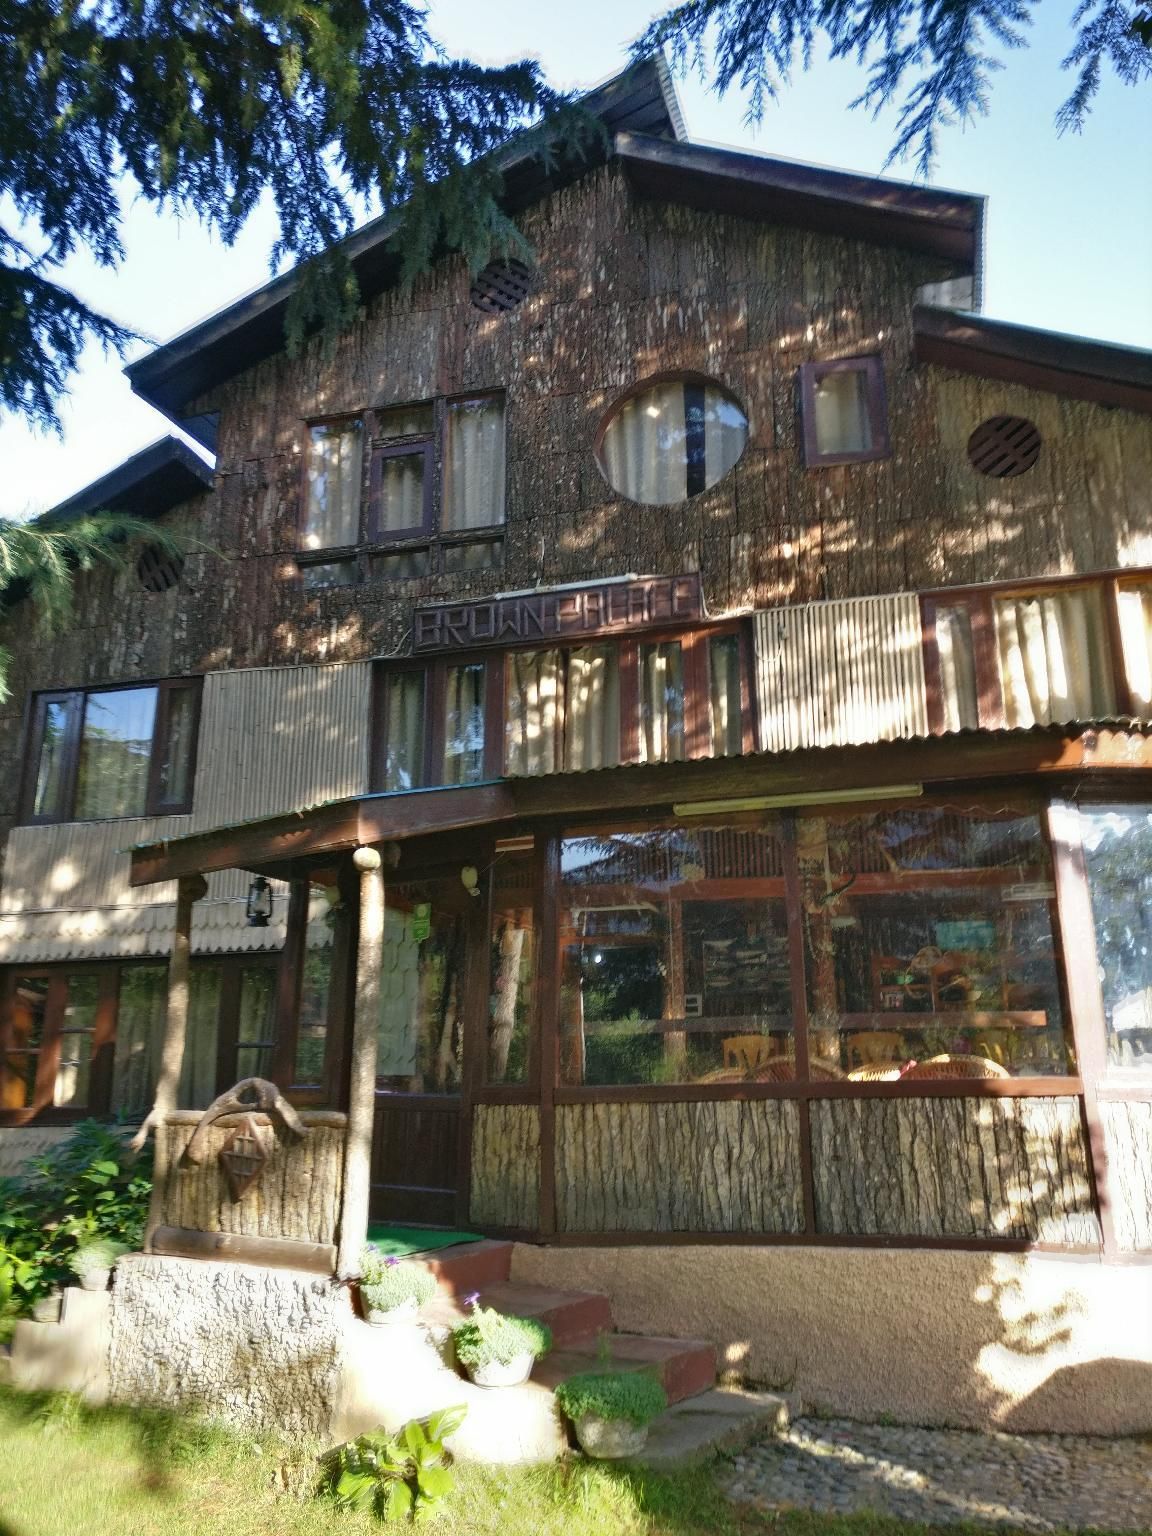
x=265 y=1098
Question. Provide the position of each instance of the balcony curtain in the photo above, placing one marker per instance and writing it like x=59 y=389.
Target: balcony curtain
x=1054 y=663
x=1135 y=604
x=662 y=703
x=464 y=725
x=725 y=706
x=958 y=694
x=644 y=446
x=332 y=520
x=404 y=758
x=592 y=708
x=474 y=465
x=532 y=723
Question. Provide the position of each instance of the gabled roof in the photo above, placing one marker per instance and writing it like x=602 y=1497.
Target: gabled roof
x=147 y=485
x=1073 y=366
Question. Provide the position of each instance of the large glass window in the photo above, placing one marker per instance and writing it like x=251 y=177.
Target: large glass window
x=1118 y=853
x=24 y=1041
x=140 y=1014
x=115 y=753
x=675 y=956
x=47 y=1040
x=929 y=941
x=512 y=973
x=420 y=1039
x=332 y=505
x=672 y=440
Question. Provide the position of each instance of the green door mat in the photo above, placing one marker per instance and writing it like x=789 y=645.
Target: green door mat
x=399 y=1242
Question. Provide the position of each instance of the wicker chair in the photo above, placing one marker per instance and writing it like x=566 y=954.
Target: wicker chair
x=880 y=1072
x=748 y=1052
x=955 y=1066
x=868 y=1047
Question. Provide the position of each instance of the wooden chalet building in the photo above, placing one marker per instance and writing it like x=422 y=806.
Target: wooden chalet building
x=655 y=743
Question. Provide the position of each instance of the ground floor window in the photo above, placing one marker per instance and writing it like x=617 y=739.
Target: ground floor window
x=1117 y=842
x=423 y=981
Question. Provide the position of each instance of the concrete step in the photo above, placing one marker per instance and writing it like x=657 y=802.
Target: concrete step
x=724 y=1419
x=686 y=1367
x=573 y=1316
x=468 y=1267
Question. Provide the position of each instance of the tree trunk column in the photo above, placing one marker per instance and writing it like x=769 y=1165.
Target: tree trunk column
x=188 y=892
x=362 y=1081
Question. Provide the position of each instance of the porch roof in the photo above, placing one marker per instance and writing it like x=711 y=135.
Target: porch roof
x=278 y=845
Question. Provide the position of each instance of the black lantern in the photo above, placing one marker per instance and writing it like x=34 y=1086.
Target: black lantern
x=259 y=907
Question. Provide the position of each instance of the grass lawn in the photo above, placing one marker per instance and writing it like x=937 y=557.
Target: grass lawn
x=70 y=1471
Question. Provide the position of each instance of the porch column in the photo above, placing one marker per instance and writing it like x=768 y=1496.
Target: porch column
x=362 y=1077
x=189 y=891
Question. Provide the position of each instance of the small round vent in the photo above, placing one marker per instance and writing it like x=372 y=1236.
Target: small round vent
x=501 y=286
x=158 y=570
x=1003 y=446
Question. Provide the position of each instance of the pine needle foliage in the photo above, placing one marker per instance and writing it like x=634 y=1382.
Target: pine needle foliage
x=331 y=108
x=933 y=58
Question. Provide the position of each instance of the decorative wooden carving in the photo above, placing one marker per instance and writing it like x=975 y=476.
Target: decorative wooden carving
x=252 y=1093
x=243 y=1157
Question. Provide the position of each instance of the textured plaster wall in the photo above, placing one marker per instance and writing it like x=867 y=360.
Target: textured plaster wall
x=1020 y=1342
x=260 y=1348
x=19 y=1144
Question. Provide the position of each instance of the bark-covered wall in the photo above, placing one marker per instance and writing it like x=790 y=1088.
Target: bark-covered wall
x=1128 y=1145
x=505 y=1166
x=297 y=1196
x=953 y=1167
x=708 y=1167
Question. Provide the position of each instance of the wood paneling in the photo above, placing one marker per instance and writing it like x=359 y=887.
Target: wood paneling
x=710 y=1167
x=1128 y=1146
x=505 y=1166
x=415 y=1159
x=965 y=1168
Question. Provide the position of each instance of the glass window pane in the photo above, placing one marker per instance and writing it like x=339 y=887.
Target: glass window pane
x=534 y=686
x=404 y=421
x=175 y=787
x=474 y=464
x=75 y=1059
x=139 y=1033
x=332 y=514
x=255 y=1024
x=312 y=1033
x=662 y=703
x=420 y=1041
x=512 y=973
x=198 y=1072
x=672 y=440
x=50 y=772
x=402 y=566
x=404 y=731
x=725 y=696
x=668 y=975
x=1118 y=855
x=464 y=724
x=115 y=751
x=486 y=555
x=315 y=574
x=1135 y=608
x=958 y=693
x=592 y=708
x=26 y=1037
x=1054 y=657
x=930 y=949
x=843 y=423
x=399 y=492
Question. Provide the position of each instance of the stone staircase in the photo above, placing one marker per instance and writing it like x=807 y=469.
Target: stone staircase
x=516 y=1424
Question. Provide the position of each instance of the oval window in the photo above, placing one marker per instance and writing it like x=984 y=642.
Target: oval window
x=671 y=440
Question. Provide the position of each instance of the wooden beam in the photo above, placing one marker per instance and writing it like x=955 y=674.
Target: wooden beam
x=239 y=1248
x=362 y=1083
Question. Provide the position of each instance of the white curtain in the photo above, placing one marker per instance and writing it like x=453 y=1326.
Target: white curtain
x=140 y=1019
x=255 y=1025
x=842 y=423
x=115 y=750
x=404 y=728
x=1054 y=664
x=198 y=1070
x=400 y=492
x=592 y=708
x=332 y=518
x=725 y=703
x=532 y=712
x=177 y=754
x=1135 y=605
x=643 y=449
x=662 y=703
x=474 y=465
x=464 y=725
x=957 y=669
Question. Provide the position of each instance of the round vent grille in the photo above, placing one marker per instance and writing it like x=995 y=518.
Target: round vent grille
x=501 y=286
x=158 y=570
x=1004 y=445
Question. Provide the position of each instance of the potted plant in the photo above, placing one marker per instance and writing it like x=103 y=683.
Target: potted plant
x=612 y=1410
x=392 y=1291
x=94 y=1261
x=498 y=1350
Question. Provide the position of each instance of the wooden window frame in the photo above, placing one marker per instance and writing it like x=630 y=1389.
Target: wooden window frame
x=76 y=699
x=435 y=673
x=872 y=368
x=100 y=1065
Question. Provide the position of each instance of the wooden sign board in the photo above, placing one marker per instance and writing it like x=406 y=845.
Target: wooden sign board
x=570 y=614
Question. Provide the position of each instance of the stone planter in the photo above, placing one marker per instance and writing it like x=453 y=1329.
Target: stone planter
x=494 y=1374
x=404 y=1313
x=610 y=1439
x=47 y=1309
x=95 y=1279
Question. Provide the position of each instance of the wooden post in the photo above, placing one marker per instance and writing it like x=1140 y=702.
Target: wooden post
x=188 y=892
x=289 y=984
x=362 y=1080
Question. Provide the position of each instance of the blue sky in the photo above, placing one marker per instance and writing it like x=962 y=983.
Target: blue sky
x=1069 y=227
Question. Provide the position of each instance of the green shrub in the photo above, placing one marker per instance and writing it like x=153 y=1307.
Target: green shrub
x=389 y=1283
x=492 y=1338
x=631 y=1395
x=395 y=1476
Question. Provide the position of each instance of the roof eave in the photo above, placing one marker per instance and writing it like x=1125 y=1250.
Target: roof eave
x=149 y=484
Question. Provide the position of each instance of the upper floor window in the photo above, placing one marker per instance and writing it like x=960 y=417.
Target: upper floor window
x=405 y=492
x=102 y=753
x=431 y=725
x=843 y=411
x=671 y=440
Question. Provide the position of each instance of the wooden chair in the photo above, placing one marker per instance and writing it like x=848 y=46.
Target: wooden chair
x=748 y=1052
x=871 y=1046
x=955 y=1066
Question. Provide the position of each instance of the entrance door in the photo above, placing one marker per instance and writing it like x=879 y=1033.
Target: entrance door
x=430 y=932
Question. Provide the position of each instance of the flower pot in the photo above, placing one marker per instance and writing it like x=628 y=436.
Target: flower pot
x=95 y=1279
x=404 y=1313
x=610 y=1439
x=494 y=1374
x=47 y=1309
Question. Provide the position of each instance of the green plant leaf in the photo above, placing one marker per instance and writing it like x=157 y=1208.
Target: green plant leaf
x=447 y=1421
x=398 y=1501
x=435 y=1483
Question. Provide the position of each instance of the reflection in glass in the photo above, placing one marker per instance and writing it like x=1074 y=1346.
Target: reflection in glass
x=1118 y=855
x=403 y=565
x=176 y=752
x=50 y=772
x=464 y=724
x=404 y=731
x=511 y=978
x=725 y=696
x=672 y=440
x=139 y=1032
x=662 y=702
x=332 y=515
x=115 y=750
x=28 y=1013
x=255 y=1022
x=312 y=1031
x=929 y=939
x=420 y=1038
x=73 y=1065
x=316 y=574
x=672 y=970
x=198 y=1070
x=483 y=555
x=843 y=423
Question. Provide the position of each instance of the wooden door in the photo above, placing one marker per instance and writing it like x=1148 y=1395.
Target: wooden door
x=415 y=1159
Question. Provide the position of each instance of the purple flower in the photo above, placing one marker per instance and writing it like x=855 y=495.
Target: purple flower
x=391 y=1262
x=472 y=1299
